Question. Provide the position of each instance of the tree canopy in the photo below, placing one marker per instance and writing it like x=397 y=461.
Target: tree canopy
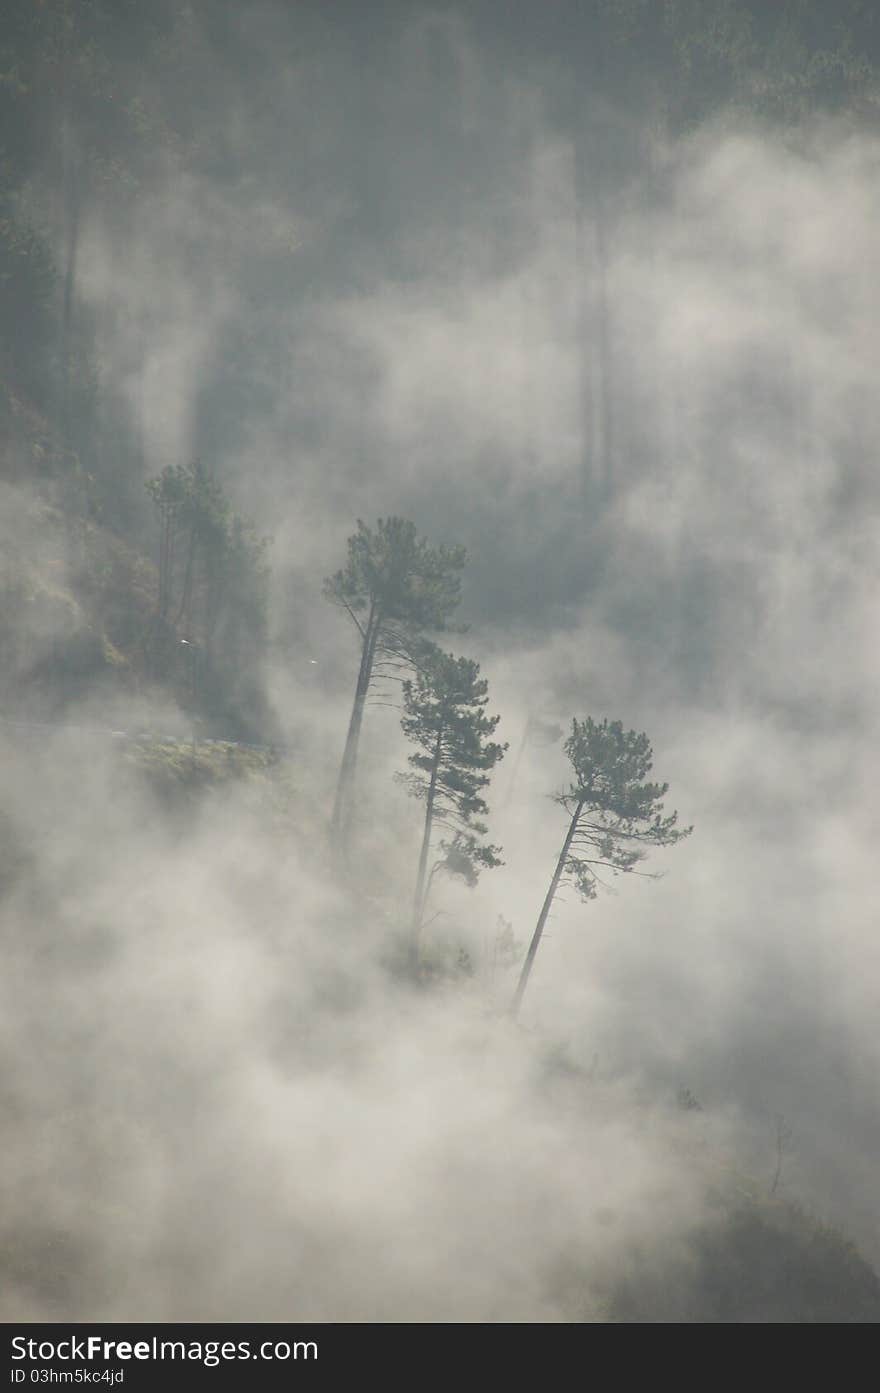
x=399 y=578
x=618 y=812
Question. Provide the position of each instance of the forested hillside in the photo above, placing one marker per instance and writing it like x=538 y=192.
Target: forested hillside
x=414 y=421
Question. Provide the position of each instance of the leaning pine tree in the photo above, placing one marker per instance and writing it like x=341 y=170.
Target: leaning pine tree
x=443 y=715
x=613 y=815
x=393 y=587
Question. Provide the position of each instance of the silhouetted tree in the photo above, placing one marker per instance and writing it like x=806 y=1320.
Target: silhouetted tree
x=613 y=815
x=393 y=587
x=443 y=715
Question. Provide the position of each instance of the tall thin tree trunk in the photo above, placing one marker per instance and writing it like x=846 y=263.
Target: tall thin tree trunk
x=184 y=613
x=212 y=605
x=545 y=910
x=591 y=264
x=166 y=555
x=341 y=817
x=419 y=895
x=605 y=352
x=169 y=563
x=71 y=250
x=70 y=210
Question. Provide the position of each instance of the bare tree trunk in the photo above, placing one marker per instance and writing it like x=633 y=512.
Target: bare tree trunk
x=605 y=361
x=341 y=817
x=184 y=613
x=591 y=261
x=420 y=892
x=166 y=558
x=70 y=208
x=71 y=249
x=212 y=606
x=545 y=910
x=169 y=564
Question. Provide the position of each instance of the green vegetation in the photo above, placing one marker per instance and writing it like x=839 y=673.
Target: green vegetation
x=443 y=716
x=181 y=771
x=212 y=596
x=757 y=1262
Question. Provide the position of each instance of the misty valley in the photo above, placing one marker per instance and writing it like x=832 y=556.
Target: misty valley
x=425 y=430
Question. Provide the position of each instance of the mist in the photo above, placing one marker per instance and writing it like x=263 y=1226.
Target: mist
x=453 y=266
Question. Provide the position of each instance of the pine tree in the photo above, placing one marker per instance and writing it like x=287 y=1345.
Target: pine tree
x=443 y=716
x=613 y=815
x=393 y=587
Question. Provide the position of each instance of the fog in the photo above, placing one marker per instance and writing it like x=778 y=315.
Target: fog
x=422 y=267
